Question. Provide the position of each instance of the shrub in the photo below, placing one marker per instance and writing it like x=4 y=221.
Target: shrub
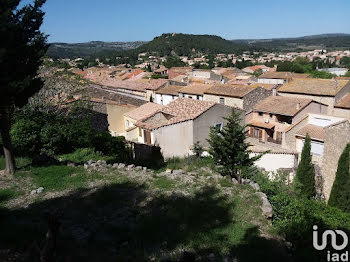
x=112 y=146
x=25 y=135
x=83 y=155
x=51 y=133
x=197 y=149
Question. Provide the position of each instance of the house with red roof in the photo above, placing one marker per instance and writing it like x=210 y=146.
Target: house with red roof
x=176 y=127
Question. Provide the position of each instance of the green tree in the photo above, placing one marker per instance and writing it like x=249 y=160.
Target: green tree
x=340 y=194
x=305 y=177
x=229 y=148
x=22 y=48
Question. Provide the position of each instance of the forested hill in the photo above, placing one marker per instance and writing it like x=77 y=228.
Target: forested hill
x=185 y=44
x=64 y=50
x=325 y=41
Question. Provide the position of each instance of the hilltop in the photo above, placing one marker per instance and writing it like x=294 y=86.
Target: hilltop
x=185 y=44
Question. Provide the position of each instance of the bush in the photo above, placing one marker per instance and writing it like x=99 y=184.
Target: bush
x=25 y=135
x=294 y=216
x=112 y=146
x=83 y=155
x=52 y=133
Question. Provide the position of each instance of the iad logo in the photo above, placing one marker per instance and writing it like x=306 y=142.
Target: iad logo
x=333 y=239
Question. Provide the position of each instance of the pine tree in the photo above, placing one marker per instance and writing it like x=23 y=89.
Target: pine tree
x=22 y=47
x=305 y=177
x=229 y=149
x=340 y=194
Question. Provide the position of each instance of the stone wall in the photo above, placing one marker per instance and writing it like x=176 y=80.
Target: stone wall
x=337 y=136
x=255 y=97
x=288 y=138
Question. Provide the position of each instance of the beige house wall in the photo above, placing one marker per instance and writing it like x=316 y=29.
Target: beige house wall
x=229 y=101
x=202 y=124
x=288 y=138
x=341 y=112
x=115 y=117
x=312 y=108
x=174 y=140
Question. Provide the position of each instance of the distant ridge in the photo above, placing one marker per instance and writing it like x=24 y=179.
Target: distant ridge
x=324 y=41
x=182 y=44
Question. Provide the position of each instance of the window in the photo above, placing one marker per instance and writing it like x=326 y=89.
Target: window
x=270 y=115
x=222 y=100
x=190 y=97
x=256 y=132
x=140 y=132
x=260 y=113
x=198 y=97
x=127 y=123
x=219 y=126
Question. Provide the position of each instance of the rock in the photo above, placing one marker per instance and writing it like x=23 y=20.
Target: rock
x=144 y=168
x=266 y=206
x=245 y=181
x=255 y=186
x=129 y=167
x=168 y=171
x=138 y=168
x=86 y=166
x=121 y=166
x=178 y=172
x=234 y=181
x=33 y=192
x=211 y=256
x=39 y=190
x=109 y=165
x=70 y=164
x=90 y=162
x=115 y=165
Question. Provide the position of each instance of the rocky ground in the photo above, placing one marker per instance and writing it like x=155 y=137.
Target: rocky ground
x=135 y=214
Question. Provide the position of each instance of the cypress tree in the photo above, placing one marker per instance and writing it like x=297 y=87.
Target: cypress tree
x=305 y=177
x=340 y=194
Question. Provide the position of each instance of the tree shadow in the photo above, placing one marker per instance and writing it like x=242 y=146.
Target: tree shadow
x=126 y=222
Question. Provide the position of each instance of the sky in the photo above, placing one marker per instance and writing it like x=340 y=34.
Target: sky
x=74 y=21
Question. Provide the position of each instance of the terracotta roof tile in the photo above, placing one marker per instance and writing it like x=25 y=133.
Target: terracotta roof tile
x=143 y=111
x=314 y=86
x=169 y=90
x=261 y=124
x=230 y=90
x=315 y=132
x=282 y=105
x=179 y=110
x=196 y=89
x=277 y=75
x=344 y=102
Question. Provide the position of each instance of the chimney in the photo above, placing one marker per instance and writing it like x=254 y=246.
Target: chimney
x=103 y=99
x=298 y=106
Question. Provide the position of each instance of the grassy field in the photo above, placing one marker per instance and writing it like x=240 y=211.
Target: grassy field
x=134 y=215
